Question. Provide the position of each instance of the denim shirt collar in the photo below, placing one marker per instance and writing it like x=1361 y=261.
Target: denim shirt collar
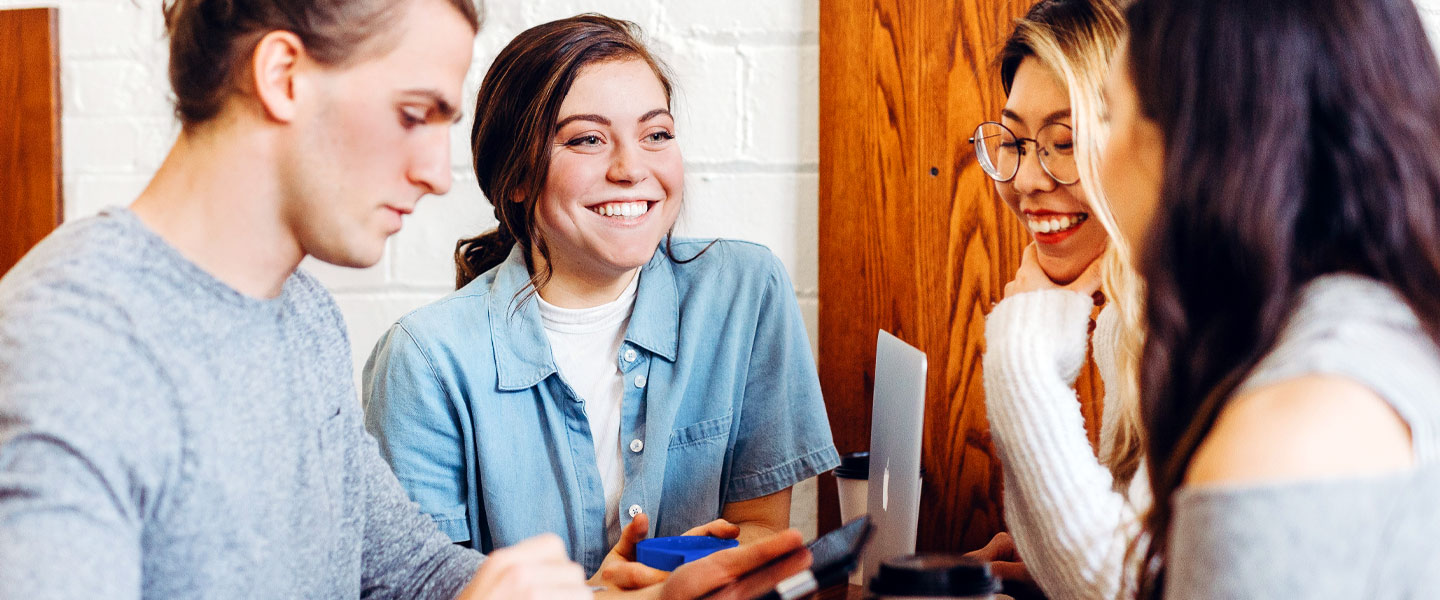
x=522 y=351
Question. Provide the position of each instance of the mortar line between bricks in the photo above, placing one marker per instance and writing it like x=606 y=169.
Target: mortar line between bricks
x=758 y=40
x=746 y=168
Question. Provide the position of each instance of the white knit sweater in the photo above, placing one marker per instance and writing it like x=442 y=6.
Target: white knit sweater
x=1071 y=527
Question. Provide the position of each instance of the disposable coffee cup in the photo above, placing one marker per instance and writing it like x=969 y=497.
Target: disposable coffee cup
x=934 y=577
x=852 y=479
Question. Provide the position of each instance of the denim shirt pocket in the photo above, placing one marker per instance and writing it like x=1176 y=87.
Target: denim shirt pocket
x=717 y=428
x=695 y=466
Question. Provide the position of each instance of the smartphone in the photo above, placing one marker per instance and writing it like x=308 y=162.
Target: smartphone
x=834 y=555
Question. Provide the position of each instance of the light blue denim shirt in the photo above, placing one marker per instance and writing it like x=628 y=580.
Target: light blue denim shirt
x=721 y=393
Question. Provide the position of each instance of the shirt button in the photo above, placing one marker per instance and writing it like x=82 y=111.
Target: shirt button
x=636 y=445
x=639 y=381
x=635 y=510
x=630 y=355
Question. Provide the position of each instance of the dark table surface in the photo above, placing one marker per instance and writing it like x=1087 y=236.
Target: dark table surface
x=842 y=592
x=855 y=592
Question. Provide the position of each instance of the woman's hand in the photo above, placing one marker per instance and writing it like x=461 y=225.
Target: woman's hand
x=621 y=571
x=536 y=569
x=1030 y=277
x=1005 y=561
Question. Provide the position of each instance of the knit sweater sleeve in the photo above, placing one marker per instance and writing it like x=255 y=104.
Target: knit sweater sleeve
x=1071 y=527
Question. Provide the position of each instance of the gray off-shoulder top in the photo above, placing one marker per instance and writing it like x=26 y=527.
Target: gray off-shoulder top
x=1368 y=537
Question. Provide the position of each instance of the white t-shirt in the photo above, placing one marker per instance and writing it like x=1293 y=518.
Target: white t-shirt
x=586 y=345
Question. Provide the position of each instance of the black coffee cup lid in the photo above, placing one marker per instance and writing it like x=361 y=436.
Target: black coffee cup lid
x=855 y=465
x=934 y=575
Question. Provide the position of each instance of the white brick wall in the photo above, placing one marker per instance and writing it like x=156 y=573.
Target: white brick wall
x=746 y=108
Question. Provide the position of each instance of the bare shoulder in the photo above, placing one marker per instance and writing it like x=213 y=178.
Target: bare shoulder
x=1306 y=428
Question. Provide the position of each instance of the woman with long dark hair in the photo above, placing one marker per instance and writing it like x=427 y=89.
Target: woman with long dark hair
x=1274 y=165
x=591 y=375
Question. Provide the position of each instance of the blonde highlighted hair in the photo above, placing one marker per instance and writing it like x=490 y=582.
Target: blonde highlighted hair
x=1076 y=40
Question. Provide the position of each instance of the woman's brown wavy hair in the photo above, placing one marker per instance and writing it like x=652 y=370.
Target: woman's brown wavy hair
x=1299 y=141
x=515 y=117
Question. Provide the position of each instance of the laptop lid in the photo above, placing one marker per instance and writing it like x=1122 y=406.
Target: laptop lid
x=897 y=426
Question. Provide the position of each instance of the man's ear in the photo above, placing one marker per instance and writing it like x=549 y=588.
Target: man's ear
x=275 y=62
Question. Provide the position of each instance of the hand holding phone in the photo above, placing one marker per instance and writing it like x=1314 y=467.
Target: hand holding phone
x=835 y=554
x=739 y=573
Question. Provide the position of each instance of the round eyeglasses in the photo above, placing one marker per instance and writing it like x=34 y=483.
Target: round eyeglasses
x=1000 y=151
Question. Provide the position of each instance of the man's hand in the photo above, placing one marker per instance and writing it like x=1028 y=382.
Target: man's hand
x=535 y=569
x=621 y=571
x=1004 y=559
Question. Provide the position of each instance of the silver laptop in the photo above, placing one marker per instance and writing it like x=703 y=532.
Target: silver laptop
x=897 y=426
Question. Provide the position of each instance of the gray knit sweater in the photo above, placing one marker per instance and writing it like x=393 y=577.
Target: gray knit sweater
x=163 y=436
x=1369 y=537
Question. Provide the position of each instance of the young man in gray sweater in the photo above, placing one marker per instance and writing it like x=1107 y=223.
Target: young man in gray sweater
x=177 y=412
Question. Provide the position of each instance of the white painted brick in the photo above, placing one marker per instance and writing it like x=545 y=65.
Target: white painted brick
x=368 y=316
x=782 y=105
x=707 y=79
x=424 y=250
x=745 y=16
x=706 y=101
x=112 y=28
x=489 y=43
x=345 y=279
x=114 y=86
x=85 y=195
x=460 y=161
x=1430 y=15
x=774 y=209
x=100 y=145
x=157 y=135
x=645 y=13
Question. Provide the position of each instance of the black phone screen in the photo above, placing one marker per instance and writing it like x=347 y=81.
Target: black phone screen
x=840 y=549
x=833 y=556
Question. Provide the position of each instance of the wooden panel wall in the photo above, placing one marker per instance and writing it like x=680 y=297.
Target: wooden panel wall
x=30 y=205
x=913 y=238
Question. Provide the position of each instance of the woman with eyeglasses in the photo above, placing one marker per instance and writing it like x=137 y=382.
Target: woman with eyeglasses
x=1275 y=164
x=1072 y=516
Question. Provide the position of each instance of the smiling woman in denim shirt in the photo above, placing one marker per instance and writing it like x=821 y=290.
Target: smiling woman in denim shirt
x=590 y=368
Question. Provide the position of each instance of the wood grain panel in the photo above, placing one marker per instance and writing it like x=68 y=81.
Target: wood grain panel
x=913 y=238
x=978 y=240
x=30 y=205
x=854 y=189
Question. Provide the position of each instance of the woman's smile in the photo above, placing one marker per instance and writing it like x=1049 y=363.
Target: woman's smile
x=624 y=211
x=1051 y=227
